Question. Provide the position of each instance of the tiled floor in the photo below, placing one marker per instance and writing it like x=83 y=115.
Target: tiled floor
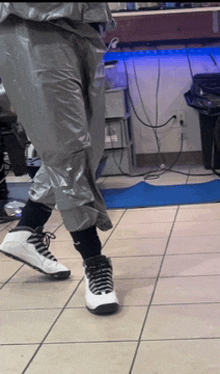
x=167 y=275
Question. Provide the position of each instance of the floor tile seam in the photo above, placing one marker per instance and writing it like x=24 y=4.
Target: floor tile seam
x=30 y=309
x=18 y=344
x=74 y=308
x=113 y=229
x=92 y=342
x=115 y=256
x=185 y=303
x=123 y=226
x=138 y=256
x=167 y=276
x=193 y=236
x=59 y=225
x=197 y=220
x=77 y=279
x=51 y=327
x=167 y=255
x=120 y=308
x=7 y=226
x=181 y=339
x=192 y=253
x=153 y=293
x=9 y=279
x=71 y=342
x=149 y=222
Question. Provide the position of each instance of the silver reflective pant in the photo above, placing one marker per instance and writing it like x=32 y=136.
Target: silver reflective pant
x=55 y=82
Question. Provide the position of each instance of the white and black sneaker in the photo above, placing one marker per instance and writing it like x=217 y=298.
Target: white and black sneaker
x=100 y=295
x=31 y=247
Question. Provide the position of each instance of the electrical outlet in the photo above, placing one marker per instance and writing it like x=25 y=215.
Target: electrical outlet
x=180 y=118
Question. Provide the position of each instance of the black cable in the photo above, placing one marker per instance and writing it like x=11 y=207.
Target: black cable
x=113 y=149
x=145 y=112
x=214 y=61
x=144 y=123
x=150 y=173
x=189 y=62
x=176 y=160
x=135 y=112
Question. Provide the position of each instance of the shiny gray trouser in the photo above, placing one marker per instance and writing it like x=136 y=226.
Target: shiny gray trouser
x=55 y=82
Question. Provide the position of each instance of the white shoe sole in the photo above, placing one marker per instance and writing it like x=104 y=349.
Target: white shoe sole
x=59 y=275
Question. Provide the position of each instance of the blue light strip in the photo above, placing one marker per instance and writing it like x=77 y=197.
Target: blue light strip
x=162 y=52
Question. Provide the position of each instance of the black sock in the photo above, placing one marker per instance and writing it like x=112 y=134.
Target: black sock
x=87 y=242
x=34 y=215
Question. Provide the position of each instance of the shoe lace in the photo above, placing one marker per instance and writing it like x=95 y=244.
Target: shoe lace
x=41 y=241
x=100 y=277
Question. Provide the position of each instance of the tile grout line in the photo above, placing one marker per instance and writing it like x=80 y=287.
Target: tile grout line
x=114 y=228
x=153 y=293
x=124 y=306
x=56 y=319
x=4 y=284
x=114 y=341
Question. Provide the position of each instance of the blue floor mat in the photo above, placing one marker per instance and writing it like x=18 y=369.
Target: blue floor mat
x=145 y=195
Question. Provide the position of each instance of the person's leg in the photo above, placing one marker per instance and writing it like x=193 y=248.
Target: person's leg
x=49 y=99
x=34 y=215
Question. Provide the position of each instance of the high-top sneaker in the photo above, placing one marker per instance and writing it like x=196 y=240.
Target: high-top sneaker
x=31 y=247
x=100 y=295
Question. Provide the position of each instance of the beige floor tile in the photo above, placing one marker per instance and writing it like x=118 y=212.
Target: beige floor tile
x=8 y=268
x=62 y=234
x=14 y=358
x=3 y=233
x=136 y=267
x=120 y=182
x=201 y=213
x=115 y=215
x=148 y=215
x=183 y=322
x=135 y=247
x=29 y=275
x=187 y=290
x=203 y=179
x=195 y=264
x=79 y=325
x=12 y=225
x=130 y=292
x=51 y=228
x=168 y=179
x=194 y=244
x=4 y=226
x=134 y=291
x=5 y=258
x=64 y=250
x=200 y=206
x=36 y=295
x=185 y=357
x=195 y=228
x=55 y=218
x=13 y=179
x=104 y=236
x=26 y=326
x=143 y=230
x=98 y=358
